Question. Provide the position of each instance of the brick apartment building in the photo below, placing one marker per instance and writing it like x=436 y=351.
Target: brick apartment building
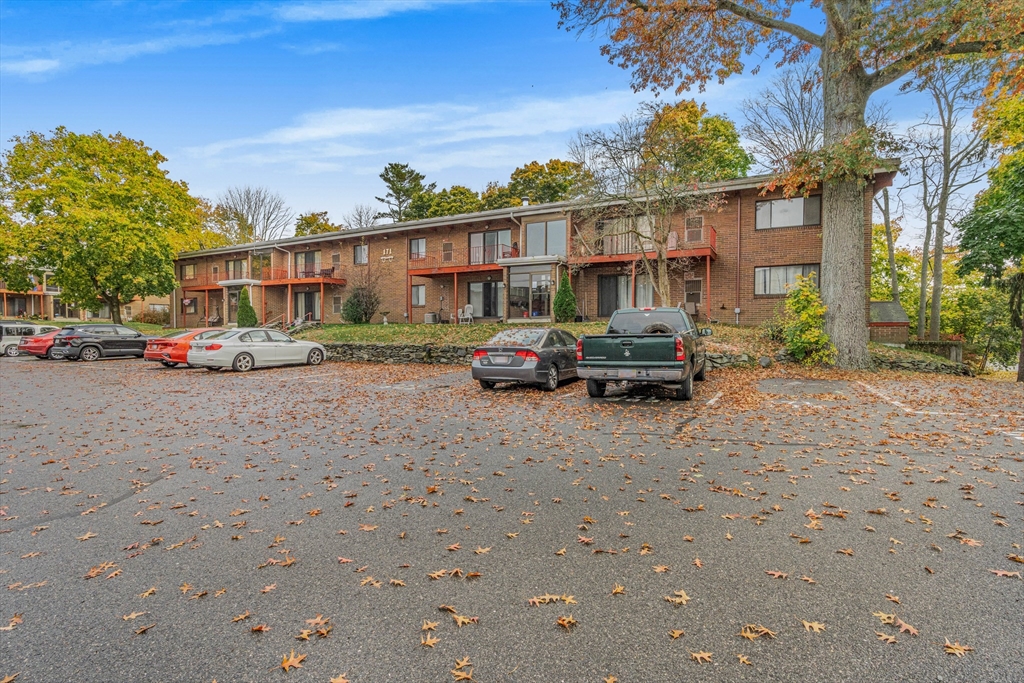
x=733 y=265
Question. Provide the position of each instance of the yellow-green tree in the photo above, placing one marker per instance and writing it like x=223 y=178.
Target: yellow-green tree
x=98 y=212
x=703 y=147
x=314 y=223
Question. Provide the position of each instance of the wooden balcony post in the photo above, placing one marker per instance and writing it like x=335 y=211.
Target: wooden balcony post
x=455 y=295
x=707 y=286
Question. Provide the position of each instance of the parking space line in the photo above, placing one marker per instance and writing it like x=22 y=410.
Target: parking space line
x=714 y=399
x=888 y=399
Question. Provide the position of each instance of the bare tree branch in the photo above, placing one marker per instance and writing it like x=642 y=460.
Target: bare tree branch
x=259 y=214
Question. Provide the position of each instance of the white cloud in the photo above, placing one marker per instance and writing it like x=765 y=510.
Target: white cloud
x=348 y=10
x=28 y=67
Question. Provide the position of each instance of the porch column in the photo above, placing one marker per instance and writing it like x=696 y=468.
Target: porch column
x=5 y=305
x=707 y=287
x=408 y=298
x=321 y=302
x=206 y=309
x=263 y=295
x=632 y=286
x=455 y=295
x=289 y=302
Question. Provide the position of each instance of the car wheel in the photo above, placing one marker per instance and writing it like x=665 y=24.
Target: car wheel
x=552 y=381
x=243 y=363
x=595 y=389
x=168 y=364
x=685 y=390
x=11 y=351
x=486 y=384
x=316 y=357
x=703 y=374
x=89 y=354
x=49 y=354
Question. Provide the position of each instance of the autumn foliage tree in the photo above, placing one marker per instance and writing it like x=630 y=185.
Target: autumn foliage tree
x=98 y=212
x=861 y=47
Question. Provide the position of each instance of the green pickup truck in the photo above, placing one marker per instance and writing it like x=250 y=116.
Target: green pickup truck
x=644 y=345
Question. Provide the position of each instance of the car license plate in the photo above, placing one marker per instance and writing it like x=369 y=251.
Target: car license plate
x=627 y=374
x=500 y=360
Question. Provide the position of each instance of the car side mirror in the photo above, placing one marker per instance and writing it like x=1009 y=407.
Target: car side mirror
x=706 y=332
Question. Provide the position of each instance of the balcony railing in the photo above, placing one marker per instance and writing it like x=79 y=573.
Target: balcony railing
x=475 y=256
x=630 y=243
x=303 y=272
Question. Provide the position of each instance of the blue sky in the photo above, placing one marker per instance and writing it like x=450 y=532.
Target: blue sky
x=312 y=99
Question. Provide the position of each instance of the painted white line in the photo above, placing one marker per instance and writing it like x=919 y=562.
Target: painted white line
x=898 y=404
x=1015 y=435
x=714 y=399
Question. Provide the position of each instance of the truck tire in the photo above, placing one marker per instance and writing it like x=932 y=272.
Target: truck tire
x=703 y=374
x=595 y=389
x=685 y=390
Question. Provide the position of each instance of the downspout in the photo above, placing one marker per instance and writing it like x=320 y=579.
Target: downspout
x=739 y=252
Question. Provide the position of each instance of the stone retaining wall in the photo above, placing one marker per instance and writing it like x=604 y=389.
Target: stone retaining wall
x=443 y=354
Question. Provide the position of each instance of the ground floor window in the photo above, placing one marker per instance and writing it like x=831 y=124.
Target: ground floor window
x=644 y=292
x=62 y=310
x=487 y=299
x=529 y=293
x=188 y=305
x=694 y=289
x=773 y=281
x=337 y=304
x=419 y=295
x=612 y=294
x=307 y=305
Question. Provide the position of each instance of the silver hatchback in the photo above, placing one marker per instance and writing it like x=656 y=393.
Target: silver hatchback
x=531 y=355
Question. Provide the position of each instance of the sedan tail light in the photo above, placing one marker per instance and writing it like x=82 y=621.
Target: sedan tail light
x=214 y=347
x=478 y=354
x=680 y=349
x=527 y=355
x=579 y=349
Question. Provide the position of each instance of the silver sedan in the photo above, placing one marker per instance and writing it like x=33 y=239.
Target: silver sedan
x=245 y=348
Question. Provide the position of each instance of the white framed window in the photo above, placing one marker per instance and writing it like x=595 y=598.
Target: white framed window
x=360 y=254
x=188 y=271
x=419 y=295
x=788 y=213
x=695 y=229
x=335 y=259
x=337 y=304
x=774 y=280
x=418 y=248
x=188 y=305
x=546 y=239
x=694 y=289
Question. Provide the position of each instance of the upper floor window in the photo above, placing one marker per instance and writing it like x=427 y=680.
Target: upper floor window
x=546 y=238
x=260 y=265
x=234 y=270
x=418 y=248
x=187 y=271
x=488 y=247
x=788 y=213
x=774 y=280
x=360 y=255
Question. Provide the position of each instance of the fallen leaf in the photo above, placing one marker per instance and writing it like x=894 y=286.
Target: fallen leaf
x=292 y=661
x=241 y=617
x=260 y=628
x=86 y=536
x=885 y=638
x=618 y=590
x=143 y=629
x=567 y=622
x=777 y=575
x=340 y=678
x=1000 y=572
x=904 y=627
x=892 y=598
x=429 y=641
x=133 y=615
x=660 y=568
x=701 y=657
x=675 y=634
x=956 y=648
x=743 y=660
x=815 y=626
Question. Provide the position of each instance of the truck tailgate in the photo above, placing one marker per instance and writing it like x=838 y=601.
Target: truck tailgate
x=629 y=349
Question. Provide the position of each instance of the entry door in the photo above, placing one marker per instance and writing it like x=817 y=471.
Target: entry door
x=307 y=305
x=612 y=294
x=233 y=306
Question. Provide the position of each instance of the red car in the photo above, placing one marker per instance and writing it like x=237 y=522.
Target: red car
x=38 y=345
x=173 y=350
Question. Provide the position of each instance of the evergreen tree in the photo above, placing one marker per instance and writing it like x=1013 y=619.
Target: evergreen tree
x=565 y=301
x=246 y=313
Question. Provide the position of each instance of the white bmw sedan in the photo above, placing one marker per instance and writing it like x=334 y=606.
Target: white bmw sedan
x=245 y=348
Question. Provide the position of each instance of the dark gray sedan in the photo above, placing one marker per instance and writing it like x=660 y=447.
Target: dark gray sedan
x=530 y=355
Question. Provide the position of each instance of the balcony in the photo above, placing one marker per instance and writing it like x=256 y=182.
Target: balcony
x=314 y=274
x=695 y=242
x=475 y=259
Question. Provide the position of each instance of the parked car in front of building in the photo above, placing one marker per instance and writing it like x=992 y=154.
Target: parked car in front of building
x=172 y=350
x=245 y=348
x=92 y=342
x=38 y=345
x=530 y=355
x=645 y=346
x=12 y=331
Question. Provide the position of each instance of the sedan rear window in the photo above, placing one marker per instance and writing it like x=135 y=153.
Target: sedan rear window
x=635 y=322
x=226 y=334
x=516 y=338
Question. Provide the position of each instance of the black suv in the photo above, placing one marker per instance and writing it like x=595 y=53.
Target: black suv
x=91 y=342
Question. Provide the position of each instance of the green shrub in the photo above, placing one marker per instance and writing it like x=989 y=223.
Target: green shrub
x=773 y=330
x=361 y=305
x=565 y=301
x=246 y=313
x=805 y=333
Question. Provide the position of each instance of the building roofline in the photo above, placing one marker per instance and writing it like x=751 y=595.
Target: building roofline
x=564 y=207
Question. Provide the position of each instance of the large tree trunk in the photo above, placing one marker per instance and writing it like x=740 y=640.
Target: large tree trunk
x=114 y=303
x=936 y=307
x=843 y=289
x=1020 y=356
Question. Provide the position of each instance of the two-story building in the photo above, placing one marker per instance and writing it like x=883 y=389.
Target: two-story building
x=732 y=264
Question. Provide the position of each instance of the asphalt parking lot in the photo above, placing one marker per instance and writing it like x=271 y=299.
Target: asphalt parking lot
x=183 y=525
